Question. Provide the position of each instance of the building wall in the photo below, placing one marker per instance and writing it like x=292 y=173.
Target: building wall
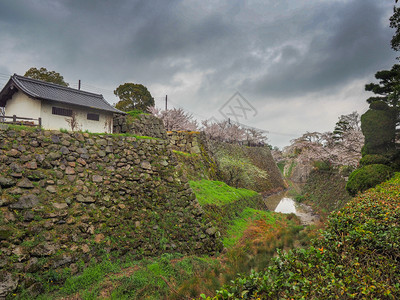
x=23 y=106
x=56 y=122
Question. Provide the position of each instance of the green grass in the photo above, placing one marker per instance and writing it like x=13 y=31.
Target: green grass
x=187 y=154
x=156 y=278
x=21 y=127
x=218 y=193
x=136 y=113
x=281 y=165
x=289 y=172
x=239 y=225
x=90 y=275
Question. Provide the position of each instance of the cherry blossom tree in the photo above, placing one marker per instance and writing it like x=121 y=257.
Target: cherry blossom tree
x=341 y=147
x=224 y=131
x=175 y=119
x=228 y=131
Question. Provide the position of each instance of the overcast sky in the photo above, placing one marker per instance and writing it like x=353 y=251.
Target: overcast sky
x=284 y=66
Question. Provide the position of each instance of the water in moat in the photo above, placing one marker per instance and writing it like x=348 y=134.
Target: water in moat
x=283 y=203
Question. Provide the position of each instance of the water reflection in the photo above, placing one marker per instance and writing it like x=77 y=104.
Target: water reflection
x=286 y=206
x=283 y=204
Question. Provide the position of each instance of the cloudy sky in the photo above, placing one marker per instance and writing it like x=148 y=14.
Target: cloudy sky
x=286 y=66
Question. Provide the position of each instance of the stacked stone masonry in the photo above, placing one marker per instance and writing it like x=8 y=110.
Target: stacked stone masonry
x=187 y=141
x=71 y=197
x=144 y=124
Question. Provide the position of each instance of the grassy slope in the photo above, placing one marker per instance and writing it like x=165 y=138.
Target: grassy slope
x=356 y=256
x=325 y=191
x=218 y=193
x=223 y=203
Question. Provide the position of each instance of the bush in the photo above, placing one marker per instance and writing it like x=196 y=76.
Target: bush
x=378 y=127
x=367 y=177
x=135 y=113
x=373 y=159
x=379 y=105
x=356 y=256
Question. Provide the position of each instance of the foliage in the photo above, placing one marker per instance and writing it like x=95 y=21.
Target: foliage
x=45 y=75
x=281 y=166
x=223 y=131
x=175 y=119
x=237 y=170
x=133 y=96
x=217 y=192
x=340 y=147
x=395 y=23
x=371 y=159
x=95 y=273
x=247 y=167
x=223 y=204
x=158 y=278
x=135 y=113
x=239 y=225
x=345 y=124
x=230 y=132
x=325 y=191
x=379 y=129
x=388 y=88
x=357 y=256
x=367 y=177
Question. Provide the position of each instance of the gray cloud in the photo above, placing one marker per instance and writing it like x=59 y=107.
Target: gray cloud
x=268 y=50
x=348 y=43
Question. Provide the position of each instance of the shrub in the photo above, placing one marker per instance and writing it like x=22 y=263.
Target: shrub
x=367 y=177
x=373 y=159
x=379 y=105
x=356 y=256
x=379 y=129
x=135 y=113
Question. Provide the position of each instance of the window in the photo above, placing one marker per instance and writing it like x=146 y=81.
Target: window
x=93 y=117
x=61 y=111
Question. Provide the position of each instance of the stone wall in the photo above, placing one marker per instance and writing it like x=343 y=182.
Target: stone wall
x=195 y=158
x=67 y=198
x=186 y=141
x=143 y=125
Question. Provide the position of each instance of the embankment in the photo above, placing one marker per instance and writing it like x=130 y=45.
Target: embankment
x=68 y=198
x=325 y=191
x=248 y=167
x=237 y=165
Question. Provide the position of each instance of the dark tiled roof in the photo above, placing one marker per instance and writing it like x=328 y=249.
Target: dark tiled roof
x=53 y=92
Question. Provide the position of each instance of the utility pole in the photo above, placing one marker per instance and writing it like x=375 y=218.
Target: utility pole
x=166 y=102
x=79 y=84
